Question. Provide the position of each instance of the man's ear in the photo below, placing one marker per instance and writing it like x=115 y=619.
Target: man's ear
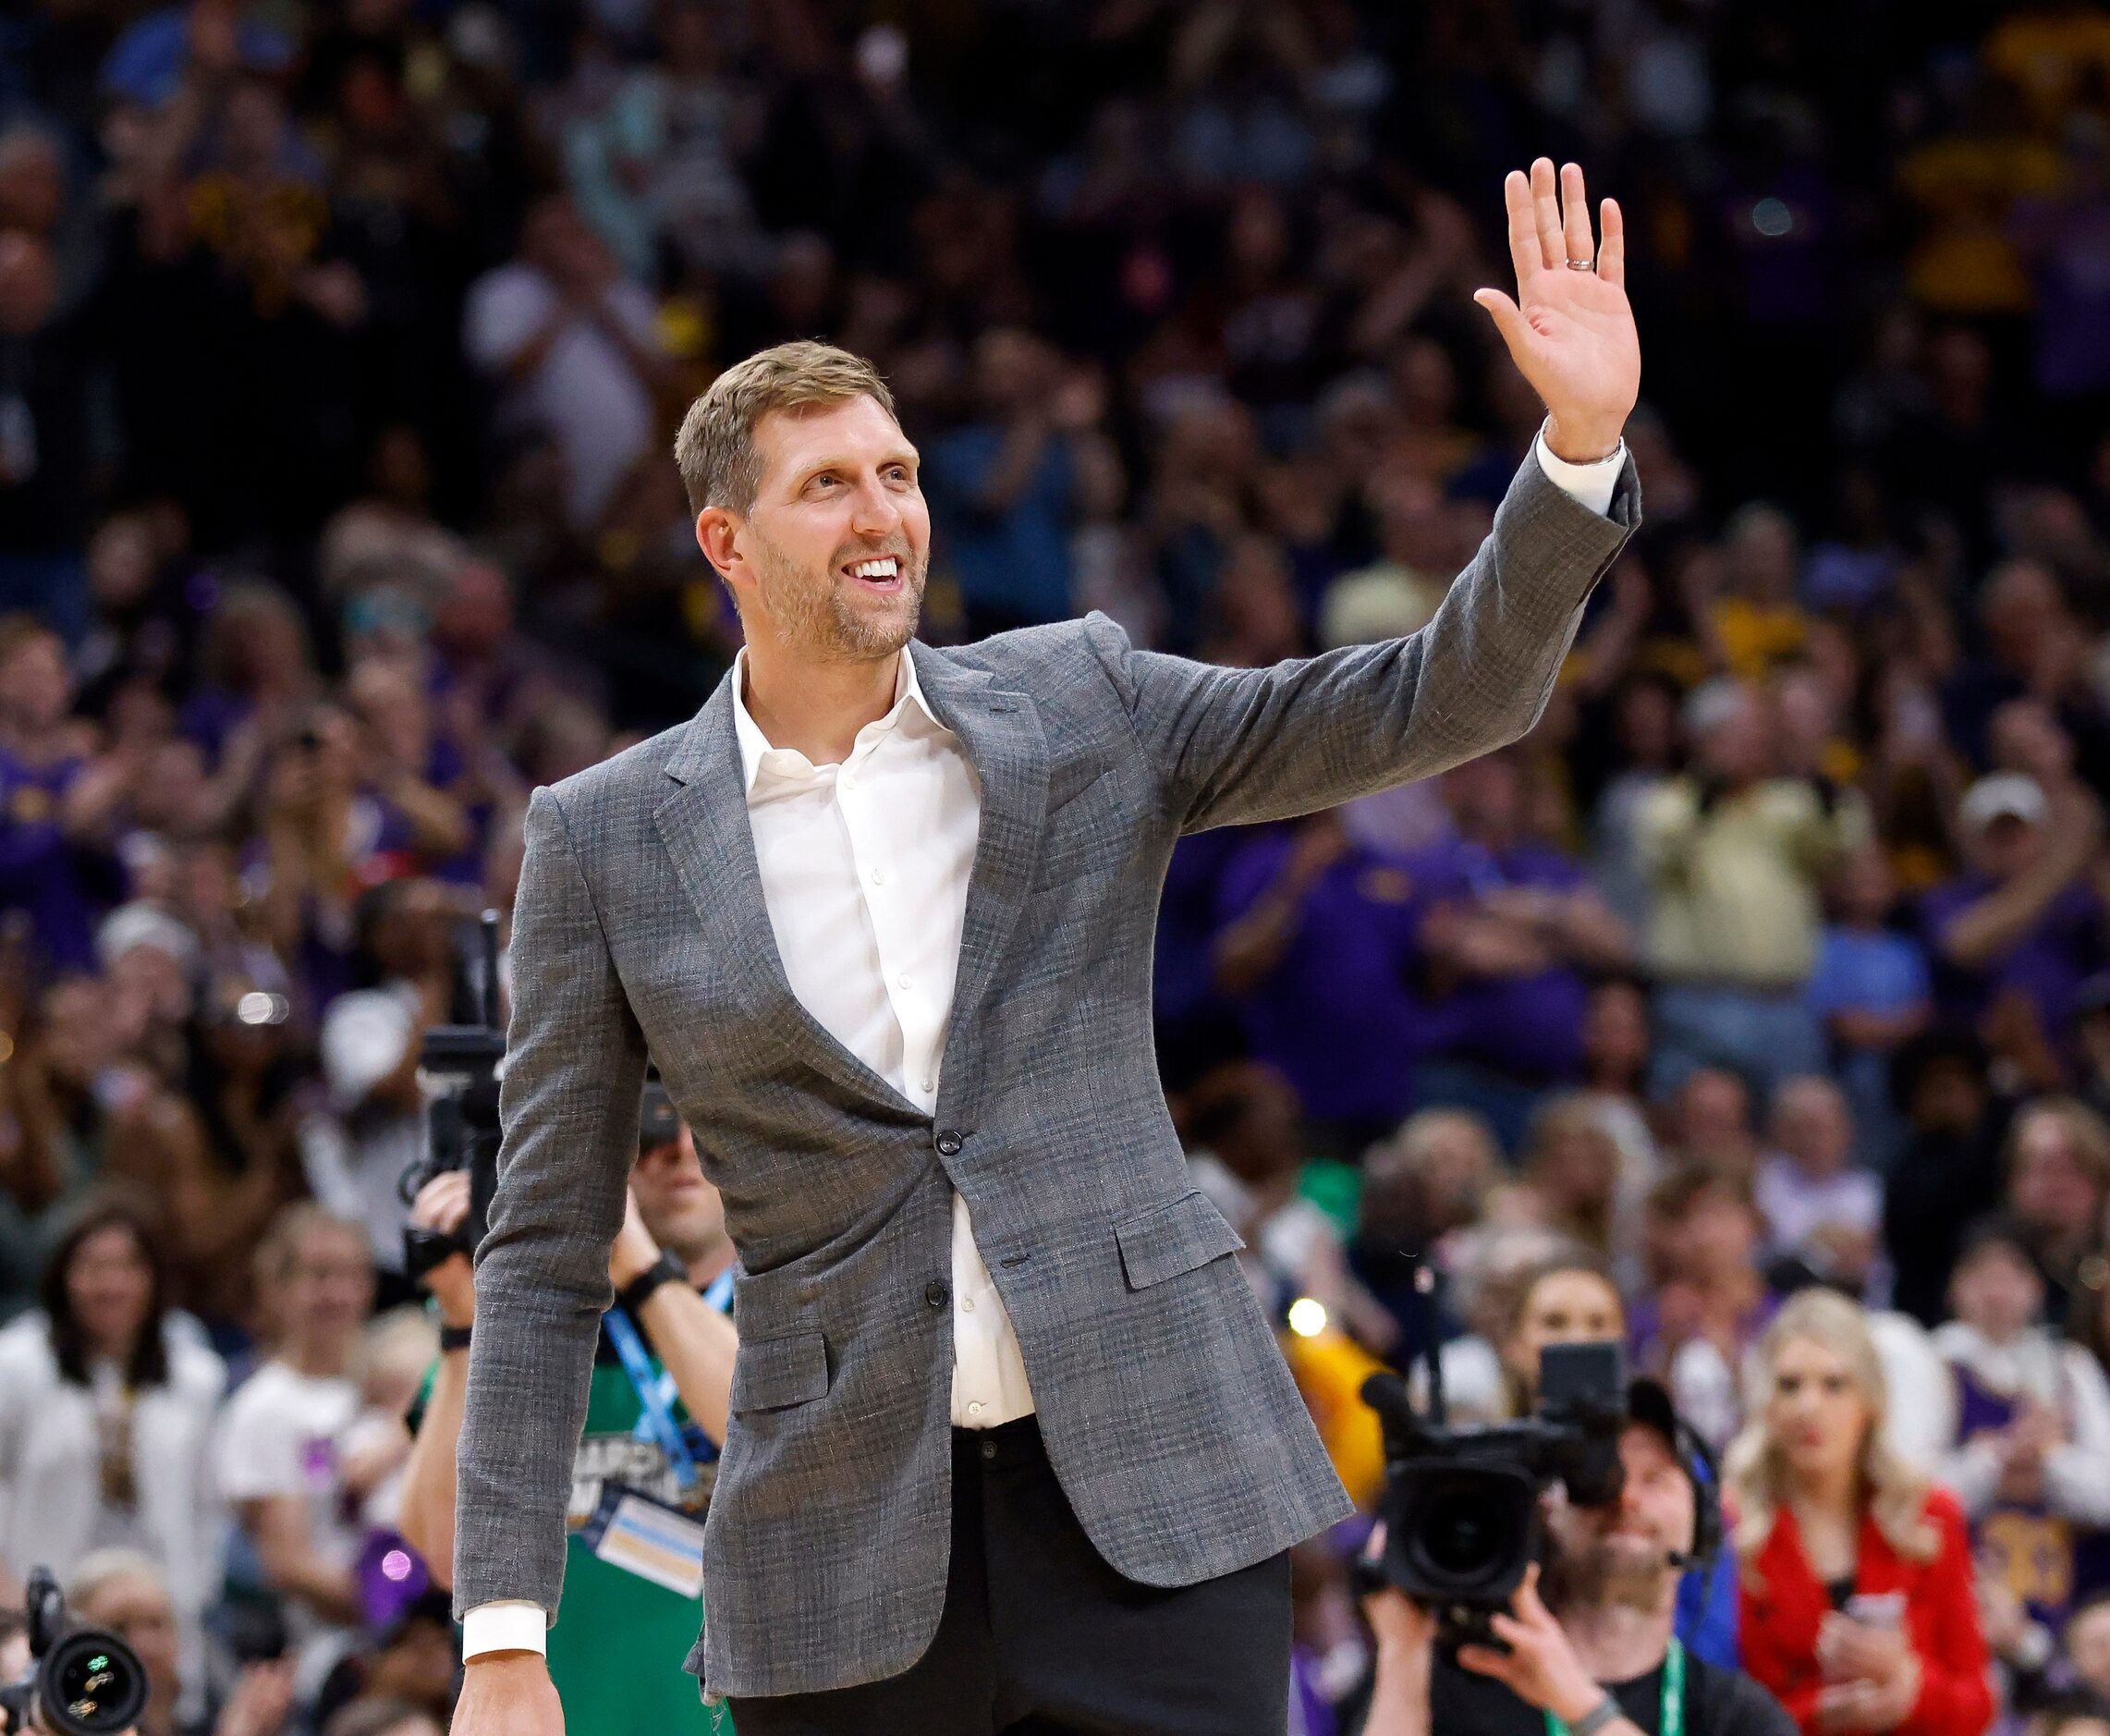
x=717 y=534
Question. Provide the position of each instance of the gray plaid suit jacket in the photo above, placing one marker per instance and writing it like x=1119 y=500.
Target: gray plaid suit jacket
x=1169 y=1414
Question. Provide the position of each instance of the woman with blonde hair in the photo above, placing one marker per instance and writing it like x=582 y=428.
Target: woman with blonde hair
x=1857 y=1605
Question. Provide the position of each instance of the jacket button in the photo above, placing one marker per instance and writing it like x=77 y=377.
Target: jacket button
x=937 y=1294
x=948 y=1144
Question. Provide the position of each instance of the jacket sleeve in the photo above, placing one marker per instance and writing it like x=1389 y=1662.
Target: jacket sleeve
x=1956 y=1696
x=574 y=1069
x=1232 y=746
x=1768 y=1661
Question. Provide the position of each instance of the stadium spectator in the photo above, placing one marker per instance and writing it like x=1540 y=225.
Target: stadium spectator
x=2030 y=1453
x=280 y=1453
x=1711 y=1301
x=371 y=1041
x=1814 y=1201
x=1511 y=927
x=1244 y=1152
x=108 y=1401
x=2058 y=1180
x=2088 y=1643
x=1858 y=1608
x=125 y=1593
x=2014 y=937
x=1003 y=487
x=571 y=343
x=1872 y=990
x=1949 y=1171
x=1316 y=946
x=1734 y=856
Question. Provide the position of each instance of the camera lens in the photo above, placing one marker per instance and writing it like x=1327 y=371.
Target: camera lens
x=1469 y=1532
x=92 y=1684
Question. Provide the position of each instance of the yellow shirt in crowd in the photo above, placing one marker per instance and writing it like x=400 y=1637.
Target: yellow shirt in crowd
x=1735 y=890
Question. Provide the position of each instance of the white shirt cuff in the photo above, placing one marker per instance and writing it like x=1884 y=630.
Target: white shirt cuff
x=1589 y=483
x=509 y=1624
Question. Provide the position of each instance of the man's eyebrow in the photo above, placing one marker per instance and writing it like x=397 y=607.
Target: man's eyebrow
x=900 y=455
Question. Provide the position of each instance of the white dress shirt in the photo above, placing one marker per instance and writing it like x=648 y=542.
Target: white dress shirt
x=864 y=872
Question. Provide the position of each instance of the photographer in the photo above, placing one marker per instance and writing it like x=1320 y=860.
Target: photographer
x=615 y=1651
x=1595 y=1656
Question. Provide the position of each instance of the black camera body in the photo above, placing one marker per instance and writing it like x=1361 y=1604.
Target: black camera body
x=462 y=1121
x=80 y=1682
x=1461 y=1504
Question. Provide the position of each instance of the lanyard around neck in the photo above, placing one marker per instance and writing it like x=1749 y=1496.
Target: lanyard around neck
x=1671 y=1720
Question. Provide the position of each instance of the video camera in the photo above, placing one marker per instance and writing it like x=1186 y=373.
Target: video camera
x=462 y=1119
x=1461 y=1504
x=85 y=1682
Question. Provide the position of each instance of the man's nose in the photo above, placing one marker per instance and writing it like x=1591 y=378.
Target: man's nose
x=874 y=511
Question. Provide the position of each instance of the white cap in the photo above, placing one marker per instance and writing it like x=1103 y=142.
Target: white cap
x=2005 y=795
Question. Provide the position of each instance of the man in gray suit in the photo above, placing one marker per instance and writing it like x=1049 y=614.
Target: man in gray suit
x=1011 y=1443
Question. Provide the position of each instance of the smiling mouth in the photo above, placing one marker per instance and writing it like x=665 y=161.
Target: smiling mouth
x=881 y=573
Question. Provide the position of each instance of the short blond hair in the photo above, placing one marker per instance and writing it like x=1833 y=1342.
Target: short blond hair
x=716 y=448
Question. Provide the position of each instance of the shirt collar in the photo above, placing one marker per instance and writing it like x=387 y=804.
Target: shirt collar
x=754 y=745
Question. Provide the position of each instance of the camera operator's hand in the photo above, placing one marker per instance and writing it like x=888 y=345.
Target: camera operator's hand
x=508 y=1694
x=633 y=1253
x=1406 y=1637
x=442 y=1206
x=1540 y=1668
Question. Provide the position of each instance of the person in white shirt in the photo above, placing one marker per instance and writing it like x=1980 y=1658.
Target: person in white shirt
x=1812 y=1197
x=577 y=345
x=371 y=1040
x=280 y=1445
x=107 y=1402
x=2031 y=1411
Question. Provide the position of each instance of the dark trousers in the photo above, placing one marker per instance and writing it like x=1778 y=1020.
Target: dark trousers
x=1041 y=1638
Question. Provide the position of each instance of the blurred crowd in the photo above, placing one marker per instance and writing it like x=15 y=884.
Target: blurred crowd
x=341 y=345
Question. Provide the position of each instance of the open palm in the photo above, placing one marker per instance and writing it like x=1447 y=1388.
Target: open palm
x=1569 y=328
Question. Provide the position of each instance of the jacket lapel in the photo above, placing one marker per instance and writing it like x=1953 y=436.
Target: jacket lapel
x=1001 y=732
x=704 y=825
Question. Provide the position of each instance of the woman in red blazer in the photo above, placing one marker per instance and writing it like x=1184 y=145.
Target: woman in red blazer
x=1856 y=1609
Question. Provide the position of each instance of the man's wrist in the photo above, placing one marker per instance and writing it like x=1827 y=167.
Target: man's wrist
x=505 y=1627
x=632 y=1295
x=1574 y=1698
x=1601 y=1716
x=1581 y=443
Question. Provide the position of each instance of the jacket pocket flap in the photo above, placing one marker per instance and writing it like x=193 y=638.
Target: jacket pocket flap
x=769 y=1374
x=1175 y=1237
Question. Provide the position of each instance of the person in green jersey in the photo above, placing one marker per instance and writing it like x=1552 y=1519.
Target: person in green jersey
x=641 y=1479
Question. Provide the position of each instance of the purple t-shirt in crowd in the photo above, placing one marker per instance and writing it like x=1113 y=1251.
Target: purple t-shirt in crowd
x=1526 y=1027
x=2047 y=964
x=41 y=872
x=1338 y=1014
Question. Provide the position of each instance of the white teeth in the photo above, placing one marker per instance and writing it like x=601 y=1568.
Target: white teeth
x=885 y=567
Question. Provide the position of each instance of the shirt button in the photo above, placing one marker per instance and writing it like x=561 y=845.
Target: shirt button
x=879 y=877
x=937 y=1294
x=850 y=780
x=989 y=1449
x=949 y=1144
x=974 y=1410
x=929 y=1085
x=903 y=980
x=966 y=1304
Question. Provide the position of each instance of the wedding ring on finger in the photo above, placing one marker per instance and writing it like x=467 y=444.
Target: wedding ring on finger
x=1582 y=264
